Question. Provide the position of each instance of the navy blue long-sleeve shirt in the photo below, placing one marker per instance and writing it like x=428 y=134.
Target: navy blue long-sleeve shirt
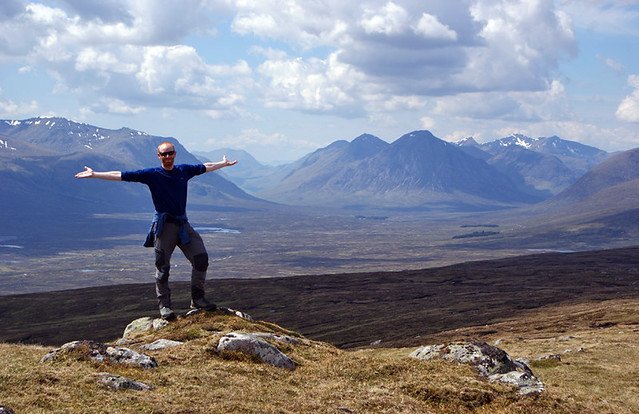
x=168 y=187
x=169 y=194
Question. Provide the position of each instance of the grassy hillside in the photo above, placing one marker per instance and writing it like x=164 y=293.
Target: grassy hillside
x=594 y=374
x=580 y=306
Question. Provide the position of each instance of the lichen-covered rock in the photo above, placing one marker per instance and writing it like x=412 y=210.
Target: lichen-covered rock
x=281 y=338
x=161 y=344
x=490 y=361
x=115 y=382
x=253 y=345
x=98 y=352
x=527 y=382
x=144 y=324
x=555 y=357
x=238 y=313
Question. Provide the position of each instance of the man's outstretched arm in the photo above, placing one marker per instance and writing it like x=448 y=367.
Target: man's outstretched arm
x=108 y=175
x=212 y=166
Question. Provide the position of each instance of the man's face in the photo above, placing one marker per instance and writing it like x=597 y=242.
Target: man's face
x=166 y=153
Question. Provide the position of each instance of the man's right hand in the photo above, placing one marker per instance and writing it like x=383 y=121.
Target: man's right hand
x=109 y=175
x=87 y=173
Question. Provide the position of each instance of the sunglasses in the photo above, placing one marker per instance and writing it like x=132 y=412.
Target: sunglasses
x=166 y=154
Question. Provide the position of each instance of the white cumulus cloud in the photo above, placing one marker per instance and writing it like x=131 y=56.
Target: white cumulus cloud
x=522 y=45
x=312 y=85
x=546 y=105
x=430 y=27
x=350 y=59
x=388 y=20
x=11 y=109
x=628 y=109
x=125 y=53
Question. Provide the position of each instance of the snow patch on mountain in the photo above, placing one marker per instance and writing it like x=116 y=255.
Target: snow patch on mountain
x=518 y=139
x=467 y=142
x=5 y=145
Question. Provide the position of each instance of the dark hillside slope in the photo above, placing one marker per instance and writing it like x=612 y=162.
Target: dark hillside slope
x=349 y=310
x=533 y=170
x=619 y=169
x=598 y=211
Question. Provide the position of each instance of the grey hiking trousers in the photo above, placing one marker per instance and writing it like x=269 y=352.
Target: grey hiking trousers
x=194 y=251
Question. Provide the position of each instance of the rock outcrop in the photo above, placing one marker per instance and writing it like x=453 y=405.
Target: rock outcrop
x=143 y=324
x=220 y=341
x=99 y=352
x=148 y=323
x=491 y=362
x=254 y=345
x=161 y=344
x=115 y=382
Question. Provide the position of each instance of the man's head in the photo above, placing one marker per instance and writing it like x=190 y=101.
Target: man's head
x=166 y=153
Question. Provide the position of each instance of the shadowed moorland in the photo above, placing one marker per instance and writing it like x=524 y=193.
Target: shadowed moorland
x=392 y=309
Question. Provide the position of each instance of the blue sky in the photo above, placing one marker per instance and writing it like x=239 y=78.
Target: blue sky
x=281 y=78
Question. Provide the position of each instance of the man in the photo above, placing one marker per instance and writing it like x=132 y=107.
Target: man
x=170 y=227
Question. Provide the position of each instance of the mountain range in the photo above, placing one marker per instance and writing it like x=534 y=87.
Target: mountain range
x=418 y=171
x=575 y=195
x=40 y=157
x=546 y=163
x=421 y=171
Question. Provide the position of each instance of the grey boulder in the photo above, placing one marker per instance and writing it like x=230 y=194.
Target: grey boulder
x=254 y=345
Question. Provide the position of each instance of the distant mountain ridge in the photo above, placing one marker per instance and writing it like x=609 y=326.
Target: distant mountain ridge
x=549 y=164
x=617 y=176
x=548 y=145
x=249 y=174
x=419 y=170
x=67 y=137
x=416 y=171
x=41 y=155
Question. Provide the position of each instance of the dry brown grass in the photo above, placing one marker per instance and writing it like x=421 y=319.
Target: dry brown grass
x=194 y=378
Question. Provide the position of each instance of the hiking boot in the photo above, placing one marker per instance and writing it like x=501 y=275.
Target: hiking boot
x=167 y=313
x=202 y=303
